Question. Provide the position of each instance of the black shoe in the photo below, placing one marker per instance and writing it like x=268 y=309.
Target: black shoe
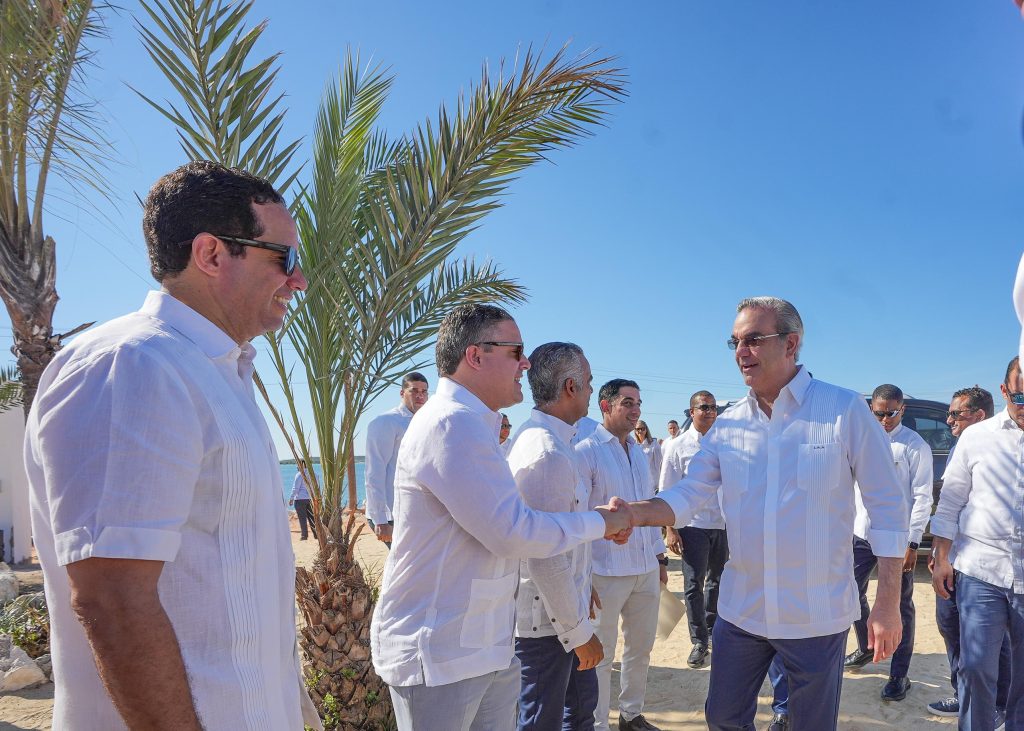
x=857 y=659
x=896 y=689
x=639 y=723
x=946 y=707
x=779 y=723
x=697 y=656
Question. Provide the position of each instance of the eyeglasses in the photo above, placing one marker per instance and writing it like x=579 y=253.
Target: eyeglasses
x=505 y=425
x=291 y=253
x=517 y=353
x=956 y=415
x=885 y=414
x=704 y=408
x=751 y=341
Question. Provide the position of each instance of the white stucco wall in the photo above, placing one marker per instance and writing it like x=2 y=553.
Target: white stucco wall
x=14 y=515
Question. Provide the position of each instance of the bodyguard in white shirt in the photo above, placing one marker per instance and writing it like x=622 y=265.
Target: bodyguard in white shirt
x=555 y=641
x=785 y=459
x=383 y=436
x=702 y=544
x=978 y=530
x=155 y=488
x=626 y=577
x=442 y=632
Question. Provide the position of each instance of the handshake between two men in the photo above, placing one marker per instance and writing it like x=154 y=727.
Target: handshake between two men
x=621 y=517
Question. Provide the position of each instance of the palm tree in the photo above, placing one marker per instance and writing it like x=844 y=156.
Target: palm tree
x=379 y=221
x=10 y=389
x=47 y=128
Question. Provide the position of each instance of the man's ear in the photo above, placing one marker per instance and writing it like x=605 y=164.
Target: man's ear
x=472 y=357
x=207 y=253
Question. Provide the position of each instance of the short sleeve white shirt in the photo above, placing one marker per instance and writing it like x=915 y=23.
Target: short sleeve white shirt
x=145 y=442
x=787 y=496
x=447 y=602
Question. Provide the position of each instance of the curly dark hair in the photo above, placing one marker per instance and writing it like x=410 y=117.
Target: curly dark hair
x=199 y=197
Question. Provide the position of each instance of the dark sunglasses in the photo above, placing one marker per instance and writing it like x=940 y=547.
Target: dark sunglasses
x=885 y=414
x=1017 y=398
x=704 y=408
x=955 y=415
x=517 y=351
x=291 y=253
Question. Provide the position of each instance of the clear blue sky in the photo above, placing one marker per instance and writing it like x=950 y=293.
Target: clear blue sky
x=863 y=160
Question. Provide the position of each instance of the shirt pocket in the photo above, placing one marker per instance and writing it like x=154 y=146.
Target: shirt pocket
x=818 y=467
x=489 y=616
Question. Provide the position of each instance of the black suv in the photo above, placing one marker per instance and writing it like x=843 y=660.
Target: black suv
x=927 y=418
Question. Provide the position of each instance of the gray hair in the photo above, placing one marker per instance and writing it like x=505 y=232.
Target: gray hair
x=787 y=319
x=551 y=365
x=465 y=325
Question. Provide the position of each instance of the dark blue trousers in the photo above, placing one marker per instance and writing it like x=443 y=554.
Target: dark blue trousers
x=554 y=694
x=864 y=562
x=780 y=688
x=705 y=551
x=988 y=614
x=947 y=618
x=813 y=667
x=304 y=512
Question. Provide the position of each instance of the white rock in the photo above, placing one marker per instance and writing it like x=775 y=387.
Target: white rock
x=8 y=584
x=19 y=671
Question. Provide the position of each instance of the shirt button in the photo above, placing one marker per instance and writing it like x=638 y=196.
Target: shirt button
x=536 y=598
x=534 y=629
x=565 y=642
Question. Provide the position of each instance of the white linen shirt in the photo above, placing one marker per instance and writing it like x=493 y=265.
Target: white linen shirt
x=678 y=454
x=912 y=458
x=554 y=593
x=981 y=506
x=447 y=602
x=383 y=437
x=145 y=442
x=787 y=496
x=651 y=450
x=608 y=472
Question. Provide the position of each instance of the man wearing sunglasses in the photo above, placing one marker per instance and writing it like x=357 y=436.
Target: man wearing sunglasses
x=702 y=543
x=383 y=437
x=978 y=528
x=156 y=491
x=968 y=406
x=783 y=461
x=442 y=633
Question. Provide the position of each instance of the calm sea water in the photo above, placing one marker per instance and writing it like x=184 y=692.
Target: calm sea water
x=288 y=472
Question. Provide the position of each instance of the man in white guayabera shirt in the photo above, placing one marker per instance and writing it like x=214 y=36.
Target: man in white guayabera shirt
x=555 y=641
x=978 y=529
x=157 y=503
x=383 y=437
x=703 y=543
x=626 y=577
x=443 y=628
x=785 y=459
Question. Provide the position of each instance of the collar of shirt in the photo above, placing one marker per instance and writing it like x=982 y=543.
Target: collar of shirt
x=797 y=388
x=460 y=394
x=563 y=431
x=895 y=433
x=214 y=342
x=1005 y=420
x=404 y=410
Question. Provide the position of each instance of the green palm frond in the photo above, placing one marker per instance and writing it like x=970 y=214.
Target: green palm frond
x=10 y=389
x=229 y=112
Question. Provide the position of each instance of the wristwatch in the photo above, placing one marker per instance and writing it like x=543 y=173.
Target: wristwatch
x=913 y=546
x=663 y=560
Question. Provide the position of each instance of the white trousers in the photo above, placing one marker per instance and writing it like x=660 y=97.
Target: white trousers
x=635 y=599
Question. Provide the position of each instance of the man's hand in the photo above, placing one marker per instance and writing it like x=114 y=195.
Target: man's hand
x=663 y=574
x=290 y=502
x=595 y=603
x=590 y=653
x=910 y=561
x=943 y=580
x=885 y=628
x=383 y=531
x=674 y=541
x=618 y=520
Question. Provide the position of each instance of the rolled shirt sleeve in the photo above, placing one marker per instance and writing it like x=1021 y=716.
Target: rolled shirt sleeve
x=120 y=461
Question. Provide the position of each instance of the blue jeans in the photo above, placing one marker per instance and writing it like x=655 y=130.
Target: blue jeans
x=987 y=614
x=780 y=688
x=813 y=667
x=864 y=561
x=947 y=618
x=705 y=551
x=554 y=694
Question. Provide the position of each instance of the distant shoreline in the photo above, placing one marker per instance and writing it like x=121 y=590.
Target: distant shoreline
x=316 y=460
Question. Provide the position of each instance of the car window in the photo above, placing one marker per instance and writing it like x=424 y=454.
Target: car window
x=934 y=431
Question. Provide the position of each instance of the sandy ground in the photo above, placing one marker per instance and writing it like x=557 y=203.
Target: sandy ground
x=675 y=693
